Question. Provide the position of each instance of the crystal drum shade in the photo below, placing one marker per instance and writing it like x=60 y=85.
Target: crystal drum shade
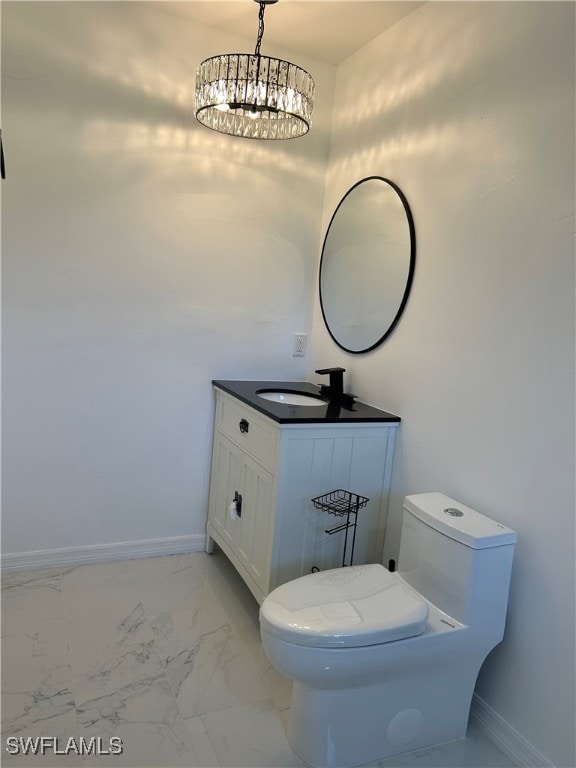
x=253 y=96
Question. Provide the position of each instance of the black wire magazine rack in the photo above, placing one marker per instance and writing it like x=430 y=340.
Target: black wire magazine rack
x=342 y=503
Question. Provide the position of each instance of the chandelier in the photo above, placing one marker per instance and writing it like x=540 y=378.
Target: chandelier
x=254 y=96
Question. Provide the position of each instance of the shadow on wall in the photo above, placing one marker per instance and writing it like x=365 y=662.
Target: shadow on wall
x=444 y=74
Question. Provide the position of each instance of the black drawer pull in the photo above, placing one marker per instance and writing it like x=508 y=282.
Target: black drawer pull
x=244 y=425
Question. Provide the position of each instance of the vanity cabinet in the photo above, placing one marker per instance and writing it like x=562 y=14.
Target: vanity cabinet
x=276 y=534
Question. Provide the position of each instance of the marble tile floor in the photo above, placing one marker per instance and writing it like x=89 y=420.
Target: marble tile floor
x=163 y=653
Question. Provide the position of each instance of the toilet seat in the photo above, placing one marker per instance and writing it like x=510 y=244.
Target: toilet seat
x=344 y=607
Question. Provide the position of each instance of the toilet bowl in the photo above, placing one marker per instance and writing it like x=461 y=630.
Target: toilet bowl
x=385 y=663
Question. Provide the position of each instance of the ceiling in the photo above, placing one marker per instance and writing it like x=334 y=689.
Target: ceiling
x=328 y=30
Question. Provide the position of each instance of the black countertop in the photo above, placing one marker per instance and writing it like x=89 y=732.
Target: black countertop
x=324 y=413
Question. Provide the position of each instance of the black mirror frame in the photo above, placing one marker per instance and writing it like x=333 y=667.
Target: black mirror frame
x=411 y=268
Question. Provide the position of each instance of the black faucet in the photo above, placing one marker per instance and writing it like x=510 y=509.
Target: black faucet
x=335 y=389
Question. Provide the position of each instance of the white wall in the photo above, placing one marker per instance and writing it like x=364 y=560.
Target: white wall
x=144 y=255
x=469 y=108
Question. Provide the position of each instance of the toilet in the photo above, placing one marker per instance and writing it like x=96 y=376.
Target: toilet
x=385 y=663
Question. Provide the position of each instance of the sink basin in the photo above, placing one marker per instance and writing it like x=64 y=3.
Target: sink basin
x=290 y=398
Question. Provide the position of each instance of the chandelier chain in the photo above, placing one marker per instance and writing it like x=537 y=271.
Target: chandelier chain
x=260 y=28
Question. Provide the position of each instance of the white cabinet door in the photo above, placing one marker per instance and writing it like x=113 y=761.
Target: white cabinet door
x=247 y=535
x=226 y=479
x=254 y=546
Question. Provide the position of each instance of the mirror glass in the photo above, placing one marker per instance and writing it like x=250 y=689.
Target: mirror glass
x=367 y=264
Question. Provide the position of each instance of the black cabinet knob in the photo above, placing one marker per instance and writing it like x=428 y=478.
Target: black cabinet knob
x=238 y=502
x=244 y=425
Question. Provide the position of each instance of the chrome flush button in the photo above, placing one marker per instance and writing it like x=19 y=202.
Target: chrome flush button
x=454 y=512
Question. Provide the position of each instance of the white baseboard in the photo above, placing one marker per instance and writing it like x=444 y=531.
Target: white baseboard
x=507 y=739
x=101 y=553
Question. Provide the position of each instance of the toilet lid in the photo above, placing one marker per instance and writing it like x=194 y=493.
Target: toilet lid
x=354 y=606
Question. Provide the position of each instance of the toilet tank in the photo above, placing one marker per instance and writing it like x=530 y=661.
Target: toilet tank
x=458 y=559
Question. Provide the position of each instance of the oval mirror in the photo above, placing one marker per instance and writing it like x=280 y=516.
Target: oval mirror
x=367 y=264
